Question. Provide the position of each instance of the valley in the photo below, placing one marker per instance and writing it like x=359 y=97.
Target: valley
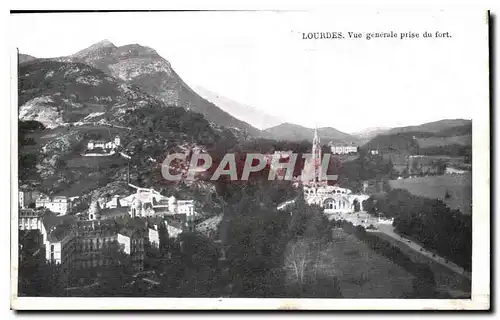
x=212 y=238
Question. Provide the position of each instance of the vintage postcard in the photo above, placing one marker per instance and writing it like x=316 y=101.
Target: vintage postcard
x=328 y=159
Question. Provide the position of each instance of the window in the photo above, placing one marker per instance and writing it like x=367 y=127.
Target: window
x=52 y=248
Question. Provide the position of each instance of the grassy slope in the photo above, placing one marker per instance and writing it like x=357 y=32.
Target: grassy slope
x=362 y=273
x=465 y=140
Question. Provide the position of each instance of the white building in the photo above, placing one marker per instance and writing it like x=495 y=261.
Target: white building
x=450 y=170
x=174 y=228
x=146 y=202
x=334 y=199
x=26 y=198
x=30 y=219
x=154 y=237
x=58 y=204
x=105 y=145
x=343 y=149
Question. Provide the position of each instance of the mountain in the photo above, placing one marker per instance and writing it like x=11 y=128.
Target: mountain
x=445 y=137
x=294 y=132
x=58 y=93
x=144 y=68
x=77 y=103
x=369 y=133
x=25 y=57
x=435 y=126
x=253 y=116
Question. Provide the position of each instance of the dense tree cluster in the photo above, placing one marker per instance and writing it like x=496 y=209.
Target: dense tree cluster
x=365 y=167
x=407 y=143
x=27 y=158
x=175 y=124
x=452 y=150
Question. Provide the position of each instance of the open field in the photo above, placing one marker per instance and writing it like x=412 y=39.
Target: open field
x=459 y=188
x=465 y=140
x=361 y=272
x=447 y=281
x=401 y=161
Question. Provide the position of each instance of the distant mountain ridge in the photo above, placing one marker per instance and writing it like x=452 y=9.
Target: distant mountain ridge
x=434 y=126
x=369 y=133
x=448 y=135
x=25 y=57
x=253 y=116
x=294 y=132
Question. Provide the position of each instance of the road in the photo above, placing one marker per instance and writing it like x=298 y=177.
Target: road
x=389 y=230
x=365 y=219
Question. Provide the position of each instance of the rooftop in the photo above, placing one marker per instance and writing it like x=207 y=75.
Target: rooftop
x=111 y=213
x=175 y=223
x=59 y=233
x=50 y=220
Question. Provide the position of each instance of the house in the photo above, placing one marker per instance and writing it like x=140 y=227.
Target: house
x=30 y=219
x=450 y=170
x=105 y=145
x=58 y=204
x=132 y=241
x=154 y=237
x=149 y=202
x=27 y=198
x=174 y=228
x=342 y=149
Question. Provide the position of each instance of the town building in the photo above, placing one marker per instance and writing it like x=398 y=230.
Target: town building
x=30 y=219
x=154 y=236
x=146 y=202
x=174 y=228
x=132 y=242
x=450 y=170
x=82 y=244
x=27 y=198
x=91 y=238
x=332 y=199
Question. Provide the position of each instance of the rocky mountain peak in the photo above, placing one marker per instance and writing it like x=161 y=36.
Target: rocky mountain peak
x=104 y=46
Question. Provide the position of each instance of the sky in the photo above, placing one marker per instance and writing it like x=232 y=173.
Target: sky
x=261 y=59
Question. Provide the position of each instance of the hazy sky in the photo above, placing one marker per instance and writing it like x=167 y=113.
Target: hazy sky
x=260 y=59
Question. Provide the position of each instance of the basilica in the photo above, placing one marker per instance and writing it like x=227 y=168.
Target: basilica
x=317 y=191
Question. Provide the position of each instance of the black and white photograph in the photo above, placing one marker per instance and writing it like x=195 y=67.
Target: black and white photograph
x=261 y=159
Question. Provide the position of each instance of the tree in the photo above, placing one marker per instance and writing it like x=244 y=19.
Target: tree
x=297 y=260
x=447 y=195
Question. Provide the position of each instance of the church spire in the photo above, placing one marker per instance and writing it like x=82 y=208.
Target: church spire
x=316 y=154
x=316 y=136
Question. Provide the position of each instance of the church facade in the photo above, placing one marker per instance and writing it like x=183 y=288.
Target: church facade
x=332 y=199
